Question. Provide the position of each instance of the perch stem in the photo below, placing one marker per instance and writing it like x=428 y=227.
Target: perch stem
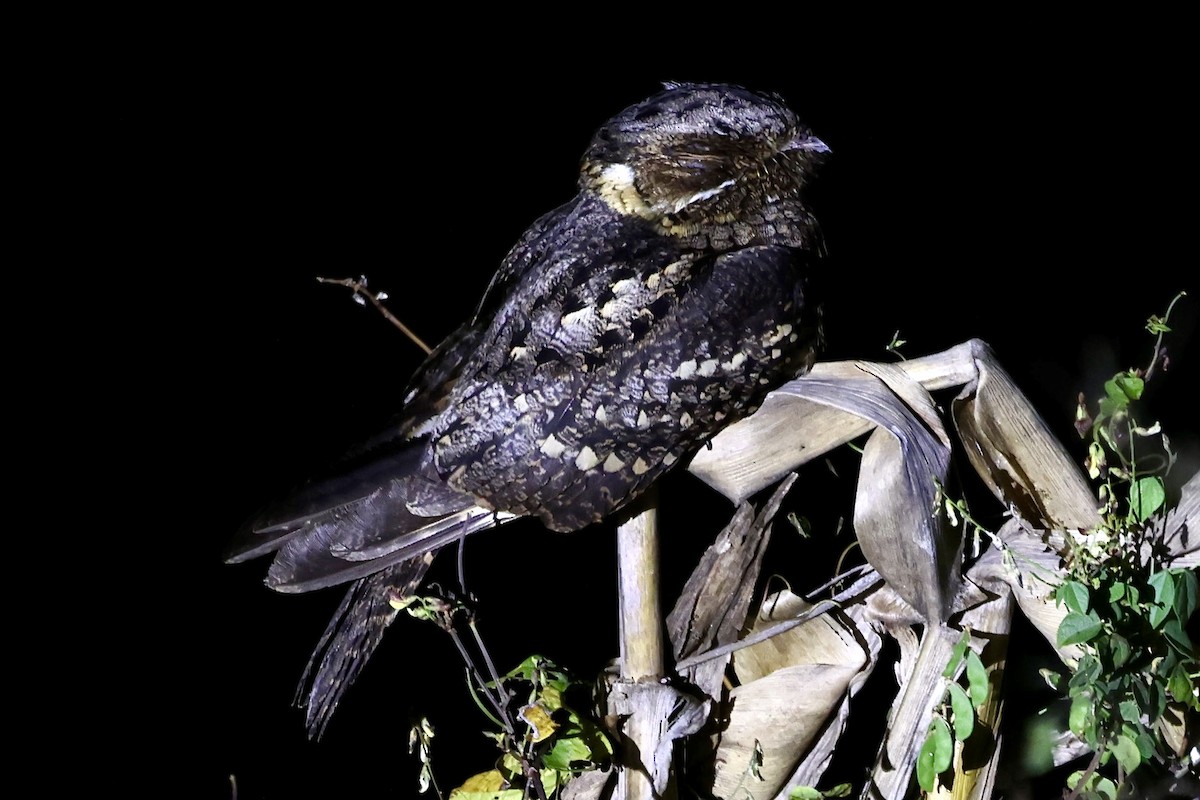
x=641 y=636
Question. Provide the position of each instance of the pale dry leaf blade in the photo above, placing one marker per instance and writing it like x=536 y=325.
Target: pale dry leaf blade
x=789 y=429
x=1181 y=527
x=715 y=602
x=897 y=490
x=1010 y=446
x=784 y=713
x=895 y=510
x=824 y=640
x=812 y=767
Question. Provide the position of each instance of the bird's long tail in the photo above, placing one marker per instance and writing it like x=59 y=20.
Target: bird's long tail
x=352 y=636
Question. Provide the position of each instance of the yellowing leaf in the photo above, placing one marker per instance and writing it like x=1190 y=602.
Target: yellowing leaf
x=486 y=786
x=538 y=719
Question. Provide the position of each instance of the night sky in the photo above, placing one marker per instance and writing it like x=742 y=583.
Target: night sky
x=1028 y=198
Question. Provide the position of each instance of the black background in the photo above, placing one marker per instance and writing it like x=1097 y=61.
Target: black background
x=1035 y=193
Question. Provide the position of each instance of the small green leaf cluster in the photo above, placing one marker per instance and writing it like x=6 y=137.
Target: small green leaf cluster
x=553 y=740
x=809 y=793
x=1137 y=657
x=1127 y=609
x=954 y=718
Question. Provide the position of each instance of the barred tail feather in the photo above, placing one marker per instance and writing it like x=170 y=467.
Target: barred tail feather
x=352 y=636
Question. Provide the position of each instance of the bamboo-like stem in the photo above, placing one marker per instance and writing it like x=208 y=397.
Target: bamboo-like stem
x=641 y=637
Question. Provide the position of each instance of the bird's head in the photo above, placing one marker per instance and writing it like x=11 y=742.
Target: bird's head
x=699 y=153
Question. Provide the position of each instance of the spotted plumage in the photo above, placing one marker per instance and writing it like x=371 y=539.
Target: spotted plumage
x=623 y=330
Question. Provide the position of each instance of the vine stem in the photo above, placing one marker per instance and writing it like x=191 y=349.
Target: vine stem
x=1158 y=341
x=1083 y=779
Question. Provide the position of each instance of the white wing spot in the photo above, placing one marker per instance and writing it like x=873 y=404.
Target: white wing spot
x=780 y=332
x=686 y=369
x=776 y=352
x=668 y=460
x=587 y=458
x=707 y=368
x=613 y=464
x=601 y=414
x=685 y=420
x=640 y=467
x=735 y=362
x=643 y=421
x=553 y=447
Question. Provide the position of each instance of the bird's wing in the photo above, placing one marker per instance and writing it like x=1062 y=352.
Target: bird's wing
x=618 y=367
x=383 y=503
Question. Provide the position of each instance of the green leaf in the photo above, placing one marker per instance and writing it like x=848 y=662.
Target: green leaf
x=1125 y=385
x=1078 y=628
x=1141 y=693
x=1074 y=595
x=1146 y=496
x=552 y=779
x=1164 y=597
x=566 y=752
x=1087 y=671
x=1158 y=699
x=977 y=679
x=1119 y=649
x=1179 y=684
x=1157 y=324
x=1115 y=395
x=956 y=655
x=1126 y=752
x=1104 y=788
x=1178 y=637
x=1096 y=787
x=1130 y=712
x=1186 y=592
x=964 y=715
x=935 y=755
x=1146 y=744
x=809 y=793
x=1081 y=716
x=1108 y=406
x=1116 y=591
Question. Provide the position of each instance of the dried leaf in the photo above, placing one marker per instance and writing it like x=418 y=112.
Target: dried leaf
x=784 y=712
x=1014 y=453
x=790 y=429
x=712 y=609
x=903 y=463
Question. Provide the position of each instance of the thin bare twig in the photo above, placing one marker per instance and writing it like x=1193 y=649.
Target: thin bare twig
x=359 y=287
x=761 y=636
